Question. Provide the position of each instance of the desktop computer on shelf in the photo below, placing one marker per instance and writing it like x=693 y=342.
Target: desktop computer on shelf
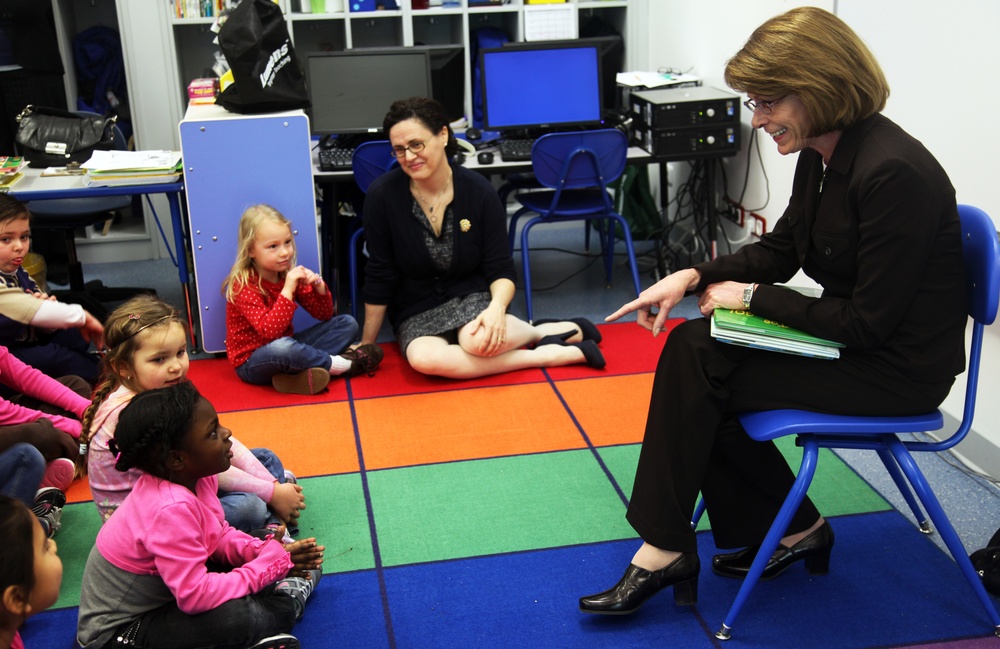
x=686 y=123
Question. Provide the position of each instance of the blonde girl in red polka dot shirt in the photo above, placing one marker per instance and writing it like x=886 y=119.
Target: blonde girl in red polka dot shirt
x=263 y=290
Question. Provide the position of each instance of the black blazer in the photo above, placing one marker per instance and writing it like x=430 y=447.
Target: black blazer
x=878 y=229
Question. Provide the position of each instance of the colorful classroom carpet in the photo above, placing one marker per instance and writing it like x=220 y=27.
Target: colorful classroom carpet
x=475 y=513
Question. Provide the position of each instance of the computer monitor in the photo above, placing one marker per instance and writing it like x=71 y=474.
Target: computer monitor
x=448 y=77
x=351 y=91
x=612 y=50
x=541 y=86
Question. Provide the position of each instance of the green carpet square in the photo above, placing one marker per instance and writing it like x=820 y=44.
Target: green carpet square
x=836 y=489
x=80 y=524
x=336 y=515
x=483 y=507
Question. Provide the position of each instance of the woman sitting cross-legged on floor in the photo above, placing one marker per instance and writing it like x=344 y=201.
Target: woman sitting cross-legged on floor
x=441 y=267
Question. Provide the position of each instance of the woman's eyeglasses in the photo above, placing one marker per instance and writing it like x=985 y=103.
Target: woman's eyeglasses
x=764 y=106
x=400 y=151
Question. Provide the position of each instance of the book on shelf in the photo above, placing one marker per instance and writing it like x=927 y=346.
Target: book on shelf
x=10 y=164
x=749 y=330
x=9 y=180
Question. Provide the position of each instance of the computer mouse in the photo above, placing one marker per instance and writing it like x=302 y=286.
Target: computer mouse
x=473 y=134
x=485 y=157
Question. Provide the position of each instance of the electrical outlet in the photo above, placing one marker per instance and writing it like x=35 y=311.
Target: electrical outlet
x=733 y=211
x=758 y=224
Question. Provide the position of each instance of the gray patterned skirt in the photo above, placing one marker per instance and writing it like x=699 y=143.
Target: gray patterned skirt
x=444 y=320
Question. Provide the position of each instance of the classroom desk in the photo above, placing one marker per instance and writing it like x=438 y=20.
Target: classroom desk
x=35 y=187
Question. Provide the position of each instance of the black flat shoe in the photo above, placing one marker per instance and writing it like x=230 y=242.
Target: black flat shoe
x=591 y=352
x=814 y=550
x=588 y=329
x=638 y=585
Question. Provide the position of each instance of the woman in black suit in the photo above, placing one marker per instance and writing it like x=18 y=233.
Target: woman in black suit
x=872 y=219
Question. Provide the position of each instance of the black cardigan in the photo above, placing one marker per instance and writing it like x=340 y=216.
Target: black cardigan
x=400 y=272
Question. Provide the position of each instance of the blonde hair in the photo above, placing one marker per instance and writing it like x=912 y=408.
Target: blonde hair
x=121 y=339
x=253 y=217
x=814 y=55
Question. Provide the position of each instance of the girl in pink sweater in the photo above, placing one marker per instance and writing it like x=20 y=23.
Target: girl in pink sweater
x=46 y=414
x=147 y=349
x=166 y=569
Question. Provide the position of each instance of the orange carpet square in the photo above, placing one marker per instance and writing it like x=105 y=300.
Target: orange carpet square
x=309 y=440
x=610 y=410
x=461 y=425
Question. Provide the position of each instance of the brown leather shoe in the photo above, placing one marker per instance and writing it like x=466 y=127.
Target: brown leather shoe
x=311 y=381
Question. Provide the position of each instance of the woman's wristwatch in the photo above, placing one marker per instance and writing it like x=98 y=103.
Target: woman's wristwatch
x=748 y=295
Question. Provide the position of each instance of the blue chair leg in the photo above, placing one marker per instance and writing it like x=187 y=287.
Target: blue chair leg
x=904 y=488
x=512 y=228
x=699 y=511
x=526 y=264
x=352 y=268
x=944 y=527
x=810 y=453
x=629 y=249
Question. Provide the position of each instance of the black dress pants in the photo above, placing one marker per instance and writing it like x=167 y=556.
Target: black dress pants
x=694 y=442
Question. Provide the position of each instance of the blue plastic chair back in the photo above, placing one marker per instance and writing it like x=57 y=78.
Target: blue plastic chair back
x=371 y=160
x=579 y=159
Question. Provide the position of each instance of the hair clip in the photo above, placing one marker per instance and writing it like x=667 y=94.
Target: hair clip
x=83 y=448
x=134 y=316
x=118 y=456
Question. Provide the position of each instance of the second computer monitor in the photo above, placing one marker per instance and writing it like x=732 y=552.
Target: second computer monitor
x=542 y=87
x=351 y=91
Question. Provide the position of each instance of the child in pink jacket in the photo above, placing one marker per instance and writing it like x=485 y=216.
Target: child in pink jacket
x=147 y=349
x=166 y=569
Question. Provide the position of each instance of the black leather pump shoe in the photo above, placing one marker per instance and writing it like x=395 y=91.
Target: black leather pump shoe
x=638 y=585
x=814 y=550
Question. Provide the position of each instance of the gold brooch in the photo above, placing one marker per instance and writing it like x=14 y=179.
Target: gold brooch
x=465 y=224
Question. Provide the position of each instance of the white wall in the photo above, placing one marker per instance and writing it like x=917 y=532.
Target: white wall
x=937 y=63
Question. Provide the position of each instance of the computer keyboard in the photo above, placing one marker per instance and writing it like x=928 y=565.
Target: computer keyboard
x=514 y=150
x=335 y=159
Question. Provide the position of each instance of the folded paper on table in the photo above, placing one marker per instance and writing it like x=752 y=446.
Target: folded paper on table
x=749 y=330
x=132 y=160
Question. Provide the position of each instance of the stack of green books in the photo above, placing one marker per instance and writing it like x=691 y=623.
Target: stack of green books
x=749 y=330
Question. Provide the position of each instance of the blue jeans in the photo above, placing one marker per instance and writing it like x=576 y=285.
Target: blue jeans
x=246 y=511
x=312 y=347
x=21 y=469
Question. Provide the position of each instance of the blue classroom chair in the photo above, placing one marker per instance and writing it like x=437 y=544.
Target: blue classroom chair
x=577 y=166
x=814 y=431
x=370 y=160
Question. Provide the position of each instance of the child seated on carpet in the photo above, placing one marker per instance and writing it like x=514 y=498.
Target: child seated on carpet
x=262 y=291
x=166 y=569
x=30 y=573
x=52 y=337
x=44 y=412
x=147 y=349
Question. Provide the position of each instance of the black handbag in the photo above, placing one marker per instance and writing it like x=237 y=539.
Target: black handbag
x=266 y=75
x=51 y=137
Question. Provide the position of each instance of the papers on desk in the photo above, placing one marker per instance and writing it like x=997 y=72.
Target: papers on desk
x=121 y=168
x=656 y=80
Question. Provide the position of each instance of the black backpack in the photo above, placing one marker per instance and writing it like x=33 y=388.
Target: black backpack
x=987 y=564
